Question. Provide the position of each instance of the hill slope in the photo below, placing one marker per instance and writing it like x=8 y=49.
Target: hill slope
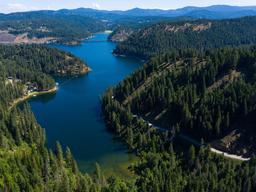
x=206 y=95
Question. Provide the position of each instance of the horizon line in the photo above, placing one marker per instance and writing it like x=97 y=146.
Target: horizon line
x=112 y=10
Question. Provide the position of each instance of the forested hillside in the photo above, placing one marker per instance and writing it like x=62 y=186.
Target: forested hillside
x=206 y=95
x=200 y=34
x=199 y=95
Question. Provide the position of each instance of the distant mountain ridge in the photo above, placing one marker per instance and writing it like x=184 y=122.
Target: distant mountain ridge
x=210 y=12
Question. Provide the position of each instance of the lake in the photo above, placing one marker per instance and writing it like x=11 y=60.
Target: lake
x=72 y=116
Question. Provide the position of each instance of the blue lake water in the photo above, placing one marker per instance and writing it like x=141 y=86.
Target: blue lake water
x=73 y=115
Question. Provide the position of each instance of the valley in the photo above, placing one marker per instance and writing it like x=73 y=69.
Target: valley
x=163 y=100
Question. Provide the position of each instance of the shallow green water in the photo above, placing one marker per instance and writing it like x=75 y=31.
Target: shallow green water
x=73 y=115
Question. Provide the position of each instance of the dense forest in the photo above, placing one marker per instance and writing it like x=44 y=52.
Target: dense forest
x=61 y=27
x=205 y=95
x=200 y=34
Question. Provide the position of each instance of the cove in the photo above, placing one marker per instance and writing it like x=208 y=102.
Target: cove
x=72 y=116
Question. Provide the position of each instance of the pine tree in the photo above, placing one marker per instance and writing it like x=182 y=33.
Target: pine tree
x=191 y=155
x=59 y=153
x=245 y=108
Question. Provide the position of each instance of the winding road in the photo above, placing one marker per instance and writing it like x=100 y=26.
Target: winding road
x=196 y=143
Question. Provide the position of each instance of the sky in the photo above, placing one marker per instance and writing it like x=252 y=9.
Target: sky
x=7 y=6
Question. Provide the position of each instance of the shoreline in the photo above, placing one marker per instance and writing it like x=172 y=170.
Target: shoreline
x=77 y=42
x=86 y=69
x=30 y=95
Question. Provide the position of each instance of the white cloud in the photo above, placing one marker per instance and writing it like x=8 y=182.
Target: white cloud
x=95 y=6
x=16 y=7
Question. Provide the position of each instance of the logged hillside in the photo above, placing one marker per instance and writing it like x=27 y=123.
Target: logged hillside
x=125 y=27
x=205 y=95
x=193 y=95
x=46 y=26
x=201 y=34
